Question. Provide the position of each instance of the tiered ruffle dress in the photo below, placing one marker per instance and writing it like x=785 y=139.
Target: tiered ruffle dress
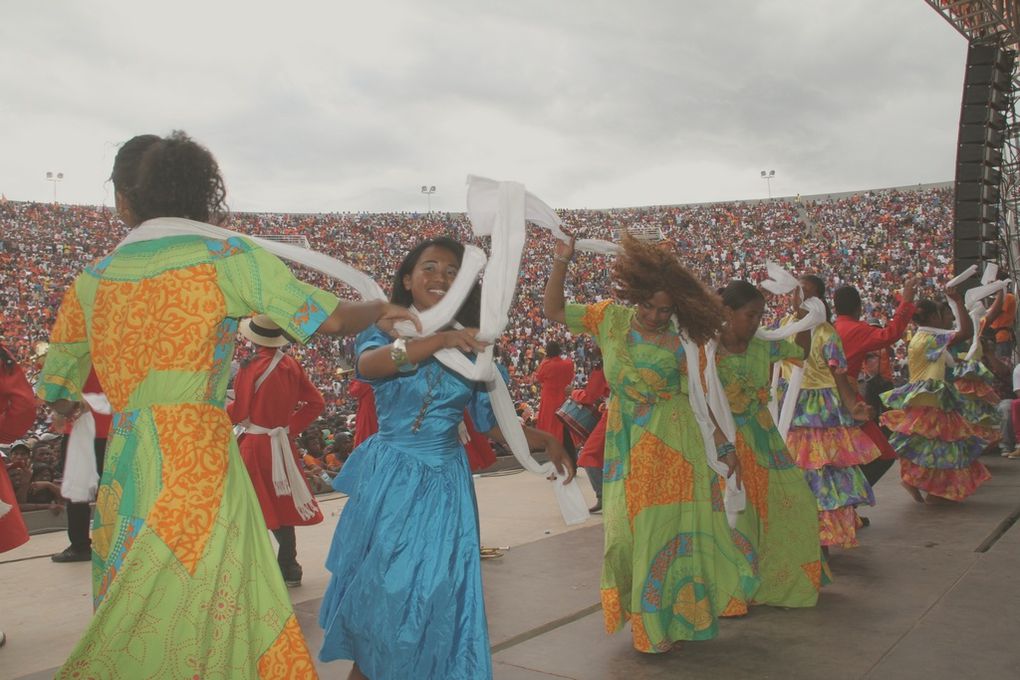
x=828 y=444
x=938 y=447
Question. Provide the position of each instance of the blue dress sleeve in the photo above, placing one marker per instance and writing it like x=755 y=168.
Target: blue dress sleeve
x=370 y=338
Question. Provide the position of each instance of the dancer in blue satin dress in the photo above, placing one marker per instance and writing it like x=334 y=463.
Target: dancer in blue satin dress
x=405 y=597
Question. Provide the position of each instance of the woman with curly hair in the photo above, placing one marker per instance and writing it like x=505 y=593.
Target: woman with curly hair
x=671 y=565
x=185 y=582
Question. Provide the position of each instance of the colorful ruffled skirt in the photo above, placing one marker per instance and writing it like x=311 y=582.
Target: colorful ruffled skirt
x=828 y=446
x=979 y=400
x=938 y=447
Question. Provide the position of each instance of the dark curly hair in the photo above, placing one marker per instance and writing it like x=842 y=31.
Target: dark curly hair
x=927 y=310
x=642 y=270
x=470 y=313
x=172 y=176
x=738 y=293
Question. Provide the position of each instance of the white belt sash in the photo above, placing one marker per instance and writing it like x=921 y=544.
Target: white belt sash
x=287 y=478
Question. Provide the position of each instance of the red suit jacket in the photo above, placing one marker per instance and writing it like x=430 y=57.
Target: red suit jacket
x=287 y=397
x=860 y=338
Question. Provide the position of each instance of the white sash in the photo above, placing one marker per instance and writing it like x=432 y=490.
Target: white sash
x=815 y=309
x=707 y=406
x=287 y=478
x=81 y=476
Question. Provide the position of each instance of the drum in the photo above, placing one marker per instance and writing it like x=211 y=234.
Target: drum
x=580 y=418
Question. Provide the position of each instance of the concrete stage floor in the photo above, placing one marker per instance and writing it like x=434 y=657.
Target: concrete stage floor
x=933 y=592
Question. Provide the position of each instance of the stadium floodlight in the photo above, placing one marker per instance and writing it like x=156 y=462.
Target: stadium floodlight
x=768 y=177
x=428 y=190
x=54 y=177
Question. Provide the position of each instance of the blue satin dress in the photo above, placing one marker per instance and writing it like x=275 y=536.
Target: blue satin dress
x=405 y=597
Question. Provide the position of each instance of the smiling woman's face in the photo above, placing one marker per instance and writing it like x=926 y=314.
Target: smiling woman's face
x=432 y=276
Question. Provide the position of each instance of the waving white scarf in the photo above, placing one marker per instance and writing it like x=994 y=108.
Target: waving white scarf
x=781 y=282
x=497 y=209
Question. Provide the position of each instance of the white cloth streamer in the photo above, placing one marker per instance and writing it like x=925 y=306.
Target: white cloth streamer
x=81 y=476
x=779 y=281
x=497 y=209
x=734 y=500
x=962 y=276
x=431 y=320
x=815 y=316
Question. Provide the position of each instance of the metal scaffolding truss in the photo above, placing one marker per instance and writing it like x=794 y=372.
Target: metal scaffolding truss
x=997 y=22
x=986 y=21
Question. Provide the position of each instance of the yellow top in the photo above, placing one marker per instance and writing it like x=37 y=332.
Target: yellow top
x=926 y=356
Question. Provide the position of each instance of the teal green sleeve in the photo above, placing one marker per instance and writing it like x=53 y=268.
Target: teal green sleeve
x=256 y=281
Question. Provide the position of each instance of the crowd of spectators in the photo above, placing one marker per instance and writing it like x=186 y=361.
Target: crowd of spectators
x=870 y=239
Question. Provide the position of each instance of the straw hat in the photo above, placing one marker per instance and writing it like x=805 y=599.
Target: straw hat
x=261 y=330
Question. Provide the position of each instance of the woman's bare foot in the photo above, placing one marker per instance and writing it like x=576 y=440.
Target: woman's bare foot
x=356 y=674
x=914 y=492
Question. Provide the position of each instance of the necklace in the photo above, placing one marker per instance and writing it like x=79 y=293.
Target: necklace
x=432 y=382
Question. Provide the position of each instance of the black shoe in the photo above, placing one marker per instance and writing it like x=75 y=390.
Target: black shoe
x=596 y=509
x=292 y=574
x=865 y=522
x=72 y=555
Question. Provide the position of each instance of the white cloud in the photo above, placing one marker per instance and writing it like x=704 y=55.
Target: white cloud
x=343 y=106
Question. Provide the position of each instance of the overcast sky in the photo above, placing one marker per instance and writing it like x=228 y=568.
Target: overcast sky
x=316 y=106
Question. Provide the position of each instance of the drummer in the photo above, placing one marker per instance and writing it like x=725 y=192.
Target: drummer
x=554 y=374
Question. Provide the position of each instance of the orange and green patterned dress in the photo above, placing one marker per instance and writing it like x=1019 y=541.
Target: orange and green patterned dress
x=672 y=566
x=185 y=582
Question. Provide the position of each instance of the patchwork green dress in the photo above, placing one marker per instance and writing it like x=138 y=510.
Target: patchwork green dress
x=185 y=582
x=672 y=565
x=781 y=518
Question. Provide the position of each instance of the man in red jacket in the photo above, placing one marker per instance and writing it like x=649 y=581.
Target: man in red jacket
x=274 y=402
x=17 y=413
x=79 y=514
x=859 y=339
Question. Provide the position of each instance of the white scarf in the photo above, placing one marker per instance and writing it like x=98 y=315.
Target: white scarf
x=497 y=209
x=781 y=282
x=705 y=408
x=81 y=476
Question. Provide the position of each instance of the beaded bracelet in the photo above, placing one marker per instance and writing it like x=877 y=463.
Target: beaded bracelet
x=725 y=449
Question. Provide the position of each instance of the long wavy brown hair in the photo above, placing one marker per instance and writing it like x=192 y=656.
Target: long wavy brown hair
x=643 y=269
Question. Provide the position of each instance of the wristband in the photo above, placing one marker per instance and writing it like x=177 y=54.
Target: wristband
x=560 y=258
x=398 y=353
x=725 y=449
